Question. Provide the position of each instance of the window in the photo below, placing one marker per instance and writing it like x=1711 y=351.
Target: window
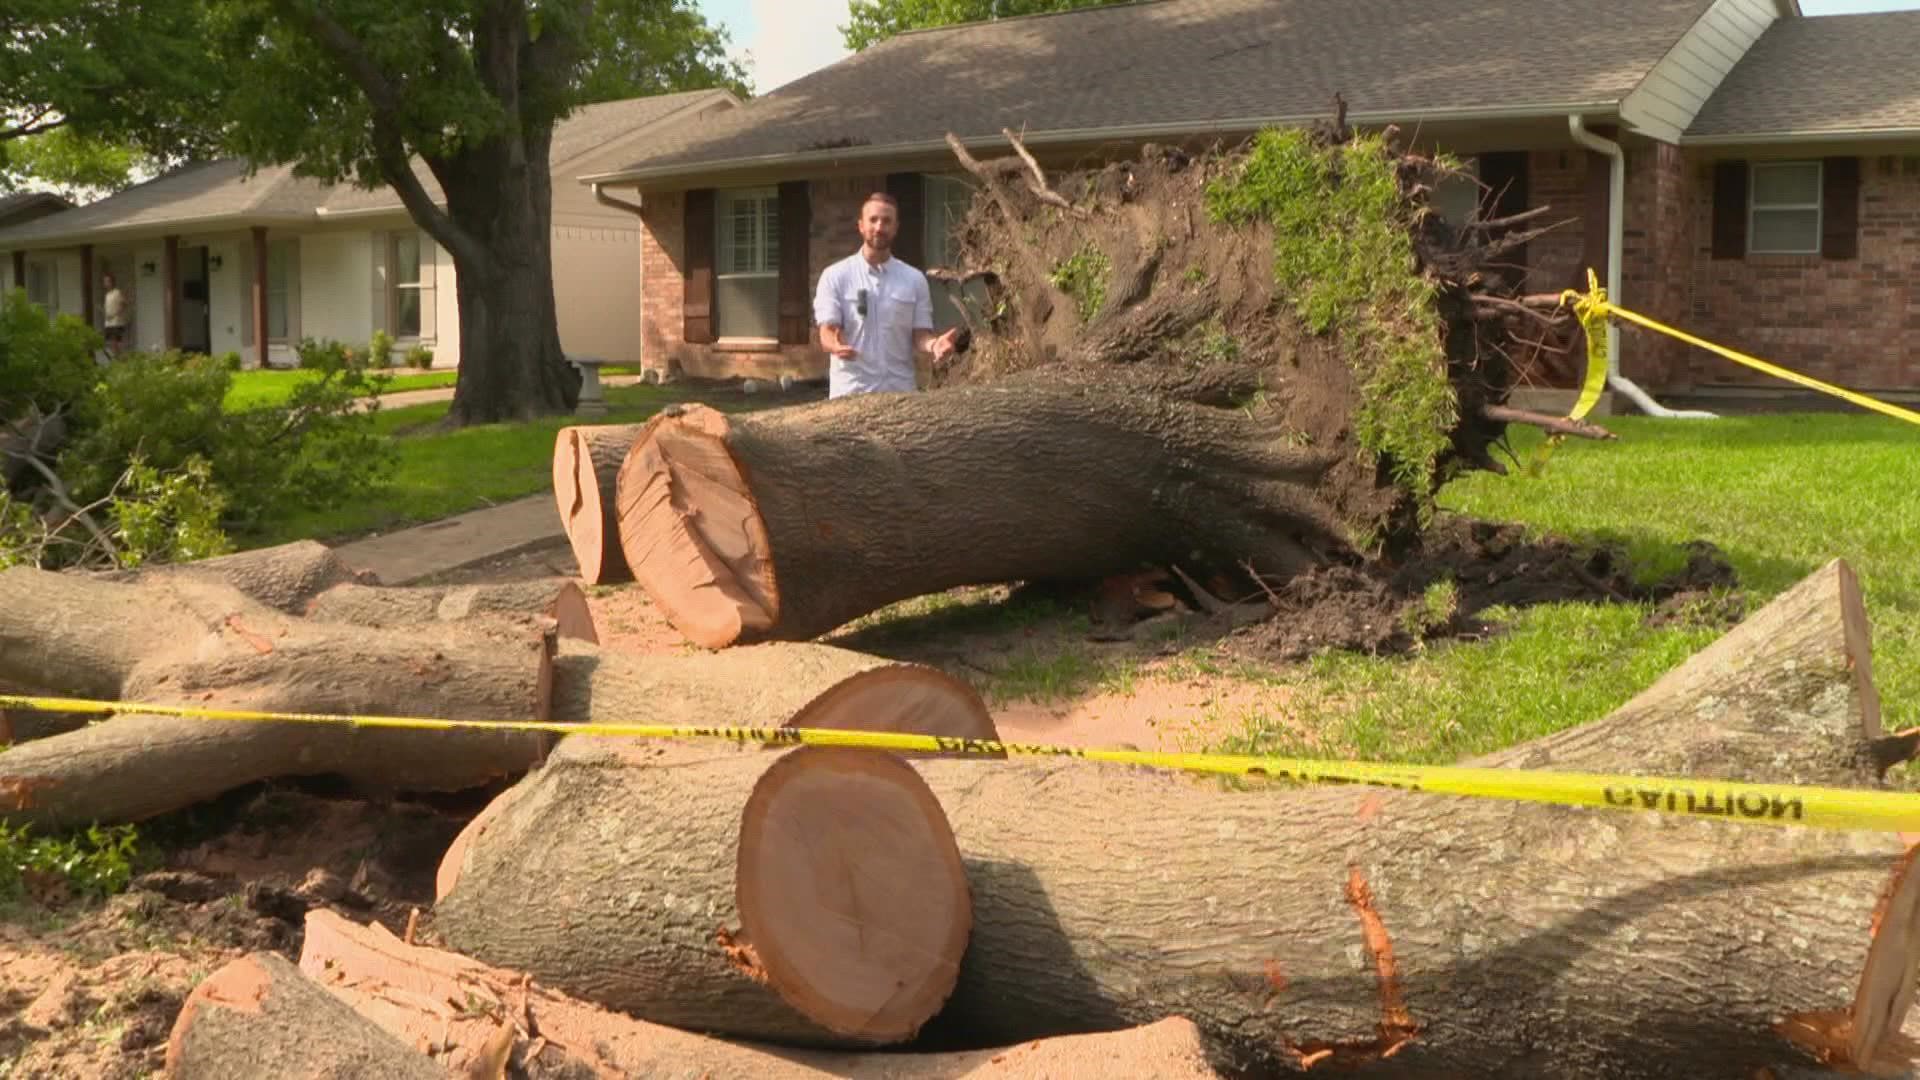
x=403 y=284
x=280 y=271
x=947 y=200
x=43 y=285
x=747 y=275
x=1458 y=196
x=1784 y=208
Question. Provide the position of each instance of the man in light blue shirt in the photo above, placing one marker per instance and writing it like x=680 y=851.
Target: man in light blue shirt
x=876 y=313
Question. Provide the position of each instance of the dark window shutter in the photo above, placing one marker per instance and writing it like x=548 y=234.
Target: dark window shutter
x=697 y=309
x=796 y=295
x=1729 y=209
x=1840 y=208
x=1504 y=172
x=910 y=190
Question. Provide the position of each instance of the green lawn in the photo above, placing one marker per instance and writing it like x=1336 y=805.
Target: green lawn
x=253 y=389
x=1780 y=495
x=444 y=472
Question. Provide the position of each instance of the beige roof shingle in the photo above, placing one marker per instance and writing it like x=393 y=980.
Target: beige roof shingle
x=1830 y=74
x=1169 y=63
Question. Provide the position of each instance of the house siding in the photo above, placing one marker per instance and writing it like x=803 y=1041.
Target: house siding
x=336 y=285
x=1672 y=94
x=1846 y=321
x=596 y=274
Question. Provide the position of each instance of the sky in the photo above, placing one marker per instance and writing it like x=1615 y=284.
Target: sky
x=780 y=40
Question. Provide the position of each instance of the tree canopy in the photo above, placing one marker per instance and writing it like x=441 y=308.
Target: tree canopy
x=875 y=21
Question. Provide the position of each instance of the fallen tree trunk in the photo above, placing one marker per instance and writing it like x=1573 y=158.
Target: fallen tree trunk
x=286 y=577
x=1421 y=934
x=821 y=903
x=751 y=528
x=559 y=599
x=586 y=468
x=258 y=1016
x=405 y=990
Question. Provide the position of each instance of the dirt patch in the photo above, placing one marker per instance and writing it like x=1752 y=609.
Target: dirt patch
x=92 y=990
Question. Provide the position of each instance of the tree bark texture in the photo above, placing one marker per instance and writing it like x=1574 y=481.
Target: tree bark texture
x=206 y=644
x=586 y=473
x=1425 y=935
x=556 y=598
x=820 y=902
x=258 y=1016
x=404 y=990
x=286 y=577
x=786 y=525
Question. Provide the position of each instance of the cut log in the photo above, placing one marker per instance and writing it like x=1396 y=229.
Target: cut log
x=405 y=989
x=559 y=599
x=258 y=1016
x=1428 y=935
x=820 y=904
x=783 y=526
x=586 y=470
x=285 y=577
x=202 y=643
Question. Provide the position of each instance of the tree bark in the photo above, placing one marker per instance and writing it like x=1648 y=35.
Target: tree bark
x=401 y=988
x=258 y=1016
x=821 y=903
x=285 y=577
x=586 y=472
x=202 y=643
x=786 y=525
x=556 y=598
x=1427 y=935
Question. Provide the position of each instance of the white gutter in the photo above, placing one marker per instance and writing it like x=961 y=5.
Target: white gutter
x=1837 y=135
x=1162 y=130
x=1616 y=242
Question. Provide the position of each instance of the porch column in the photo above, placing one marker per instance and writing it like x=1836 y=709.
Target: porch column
x=170 y=283
x=260 y=295
x=1593 y=215
x=86 y=284
x=19 y=269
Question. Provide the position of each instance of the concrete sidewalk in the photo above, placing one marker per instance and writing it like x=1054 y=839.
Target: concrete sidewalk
x=407 y=555
x=400 y=399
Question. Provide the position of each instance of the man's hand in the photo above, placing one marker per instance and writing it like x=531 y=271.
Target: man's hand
x=842 y=351
x=942 y=347
x=836 y=346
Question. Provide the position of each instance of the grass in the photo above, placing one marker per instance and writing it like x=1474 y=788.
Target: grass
x=444 y=472
x=1780 y=495
x=255 y=389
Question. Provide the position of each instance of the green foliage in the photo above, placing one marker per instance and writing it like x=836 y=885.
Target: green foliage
x=1083 y=276
x=230 y=360
x=44 y=363
x=420 y=358
x=380 y=350
x=170 y=517
x=69 y=162
x=1435 y=608
x=95 y=862
x=1343 y=252
x=641 y=47
x=874 y=21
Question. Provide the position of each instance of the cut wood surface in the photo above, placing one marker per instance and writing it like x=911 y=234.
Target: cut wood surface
x=202 y=643
x=788 y=524
x=586 y=471
x=820 y=902
x=285 y=577
x=560 y=599
x=406 y=990
x=764 y=686
x=258 y=1016
x=1427 y=935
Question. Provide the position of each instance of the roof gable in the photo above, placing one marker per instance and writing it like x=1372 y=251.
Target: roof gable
x=1829 y=76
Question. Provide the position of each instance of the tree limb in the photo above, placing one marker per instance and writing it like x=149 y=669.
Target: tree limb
x=1038 y=184
x=1499 y=307
x=59 y=492
x=33 y=126
x=1559 y=425
x=1511 y=219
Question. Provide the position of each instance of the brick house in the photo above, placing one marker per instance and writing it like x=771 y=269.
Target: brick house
x=1755 y=173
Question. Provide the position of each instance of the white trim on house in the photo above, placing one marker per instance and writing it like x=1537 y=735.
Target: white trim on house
x=1667 y=99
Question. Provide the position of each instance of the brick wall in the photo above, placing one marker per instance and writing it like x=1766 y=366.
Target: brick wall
x=1657 y=262
x=834 y=235
x=1846 y=321
x=1556 y=178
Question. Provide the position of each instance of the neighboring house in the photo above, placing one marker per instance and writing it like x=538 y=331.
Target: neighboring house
x=216 y=260
x=1770 y=192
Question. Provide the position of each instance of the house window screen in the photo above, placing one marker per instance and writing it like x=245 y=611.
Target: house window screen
x=405 y=278
x=947 y=201
x=1785 y=208
x=747 y=274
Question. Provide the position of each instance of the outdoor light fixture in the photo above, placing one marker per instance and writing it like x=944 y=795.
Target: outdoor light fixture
x=214 y=262
x=148 y=268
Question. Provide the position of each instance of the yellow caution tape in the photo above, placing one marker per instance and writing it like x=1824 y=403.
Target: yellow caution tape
x=1749 y=803
x=1591 y=310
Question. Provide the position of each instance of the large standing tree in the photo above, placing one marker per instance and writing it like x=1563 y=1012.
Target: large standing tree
x=468 y=91
x=875 y=21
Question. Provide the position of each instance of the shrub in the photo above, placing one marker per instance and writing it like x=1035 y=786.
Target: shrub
x=230 y=360
x=380 y=350
x=420 y=358
x=44 y=363
x=95 y=862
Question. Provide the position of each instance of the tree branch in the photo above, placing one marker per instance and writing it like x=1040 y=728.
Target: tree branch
x=1559 y=425
x=389 y=147
x=34 y=126
x=1038 y=184
x=59 y=492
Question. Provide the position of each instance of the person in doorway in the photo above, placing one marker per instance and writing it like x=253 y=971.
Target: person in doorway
x=876 y=313
x=115 y=310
